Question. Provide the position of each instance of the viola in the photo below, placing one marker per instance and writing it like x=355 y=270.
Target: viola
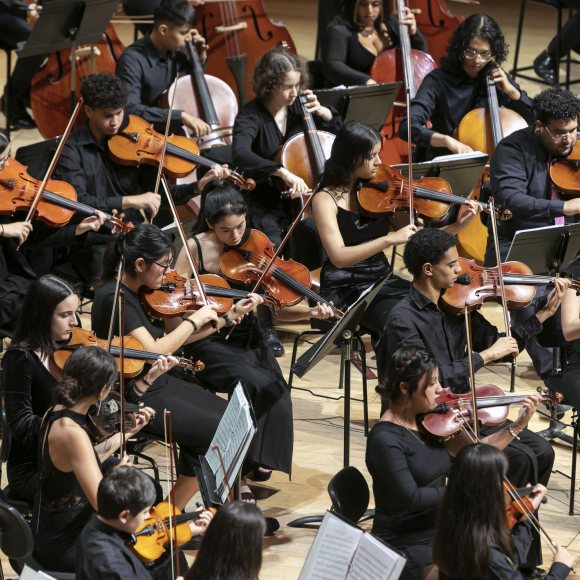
x=238 y=33
x=165 y=523
x=388 y=192
x=58 y=203
x=482 y=129
x=140 y=143
x=406 y=64
x=453 y=409
x=287 y=281
x=50 y=93
x=305 y=154
x=134 y=355
x=177 y=295
x=476 y=285
x=565 y=174
x=207 y=97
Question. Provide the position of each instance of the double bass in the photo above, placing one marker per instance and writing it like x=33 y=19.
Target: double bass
x=238 y=33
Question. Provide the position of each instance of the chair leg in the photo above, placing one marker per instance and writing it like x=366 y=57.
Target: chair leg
x=574 y=457
x=297 y=340
x=363 y=358
x=514 y=70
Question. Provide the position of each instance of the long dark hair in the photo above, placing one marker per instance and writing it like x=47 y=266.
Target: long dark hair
x=232 y=545
x=33 y=327
x=220 y=198
x=482 y=26
x=144 y=241
x=472 y=517
x=408 y=364
x=354 y=142
x=350 y=13
x=85 y=374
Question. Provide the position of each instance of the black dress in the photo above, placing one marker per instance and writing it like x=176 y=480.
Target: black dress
x=244 y=357
x=344 y=285
x=408 y=484
x=61 y=508
x=196 y=413
x=28 y=390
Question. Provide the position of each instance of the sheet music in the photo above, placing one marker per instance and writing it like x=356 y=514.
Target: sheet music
x=332 y=550
x=457 y=157
x=373 y=560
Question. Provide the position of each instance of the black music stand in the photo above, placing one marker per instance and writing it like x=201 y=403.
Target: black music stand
x=68 y=24
x=341 y=335
x=368 y=103
x=462 y=171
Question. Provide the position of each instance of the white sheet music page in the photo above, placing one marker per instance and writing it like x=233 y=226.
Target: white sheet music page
x=374 y=560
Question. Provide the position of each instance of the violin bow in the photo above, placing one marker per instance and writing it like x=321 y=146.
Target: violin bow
x=410 y=154
x=469 y=337
x=168 y=438
x=54 y=161
x=121 y=299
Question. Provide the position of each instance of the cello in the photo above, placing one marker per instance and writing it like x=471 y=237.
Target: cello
x=50 y=93
x=238 y=33
x=409 y=65
x=208 y=98
x=482 y=129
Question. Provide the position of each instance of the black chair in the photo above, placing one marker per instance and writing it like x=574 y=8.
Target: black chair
x=561 y=9
x=349 y=494
x=15 y=535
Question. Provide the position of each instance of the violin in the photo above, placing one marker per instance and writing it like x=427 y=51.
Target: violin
x=287 y=281
x=565 y=174
x=140 y=143
x=165 y=523
x=388 y=192
x=207 y=97
x=57 y=205
x=406 y=64
x=453 y=409
x=177 y=295
x=107 y=421
x=238 y=33
x=517 y=505
x=134 y=355
x=476 y=285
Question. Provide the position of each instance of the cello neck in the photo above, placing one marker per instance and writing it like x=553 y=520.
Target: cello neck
x=493 y=108
x=405 y=41
x=312 y=140
x=201 y=89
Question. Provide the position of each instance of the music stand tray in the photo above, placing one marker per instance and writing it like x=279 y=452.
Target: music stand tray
x=370 y=104
x=462 y=171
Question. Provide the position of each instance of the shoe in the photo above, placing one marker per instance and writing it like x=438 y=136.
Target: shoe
x=272 y=525
x=273 y=341
x=260 y=474
x=22 y=121
x=545 y=67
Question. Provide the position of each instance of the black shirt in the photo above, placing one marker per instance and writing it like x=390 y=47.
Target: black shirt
x=104 y=555
x=345 y=61
x=146 y=76
x=444 y=99
x=520 y=182
x=416 y=321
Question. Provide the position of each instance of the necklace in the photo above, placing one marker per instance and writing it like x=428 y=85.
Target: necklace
x=367 y=31
x=413 y=432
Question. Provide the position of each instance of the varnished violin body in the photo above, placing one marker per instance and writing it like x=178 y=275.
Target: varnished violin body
x=565 y=173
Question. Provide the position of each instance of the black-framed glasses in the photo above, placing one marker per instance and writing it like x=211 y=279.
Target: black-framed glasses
x=472 y=54
x=164 y=267
x=561 y=137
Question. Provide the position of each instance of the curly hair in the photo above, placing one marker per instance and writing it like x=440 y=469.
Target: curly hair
x=353 y=144
x=103 y=91
x=482 y=26
x=408 y=364
x=556 y=104
x=426 y=247
x=271 y=71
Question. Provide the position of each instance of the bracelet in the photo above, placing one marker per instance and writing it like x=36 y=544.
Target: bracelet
x=192 y=322
x=227 y=320
x=137 y=390
x=144 y=380
x=514 y=431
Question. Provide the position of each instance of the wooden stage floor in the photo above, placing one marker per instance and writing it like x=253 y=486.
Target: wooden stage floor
x=318 y=422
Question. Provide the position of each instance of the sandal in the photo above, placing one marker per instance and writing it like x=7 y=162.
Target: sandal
x=246 y=494
x=260 y=474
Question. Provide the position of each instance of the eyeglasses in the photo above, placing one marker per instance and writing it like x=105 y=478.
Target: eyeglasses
x=561 y=137
x=472 y=54
x=164 y=267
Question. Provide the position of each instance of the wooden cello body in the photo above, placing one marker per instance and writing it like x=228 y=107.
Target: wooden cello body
x=50 y=94
x=238 y=33
x=400 y=64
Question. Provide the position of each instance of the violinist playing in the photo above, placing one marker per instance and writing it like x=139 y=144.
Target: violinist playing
x=477 y=49
x=221 y=227
x=261 y=127
x=353 y=40
x=103 y=184
x=420 y=320
x=354 y=242
x=148 y=67
x=521 y=183
x=472 y=539
x=408 y=468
